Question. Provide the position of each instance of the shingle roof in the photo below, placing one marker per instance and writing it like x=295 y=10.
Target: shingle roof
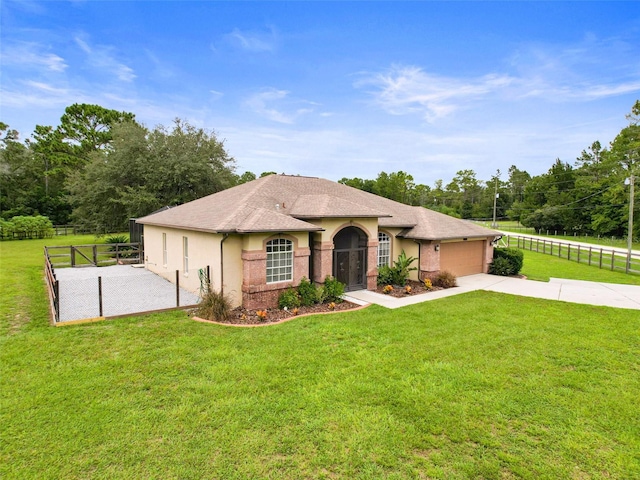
x=282 y=202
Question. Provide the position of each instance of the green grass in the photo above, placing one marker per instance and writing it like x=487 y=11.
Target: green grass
x=481 y=385
x=540 y=266
x=517 y=227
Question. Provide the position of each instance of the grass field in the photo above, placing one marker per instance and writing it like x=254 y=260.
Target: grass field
x=516 y=227
x=481 y=385
x=540 y=266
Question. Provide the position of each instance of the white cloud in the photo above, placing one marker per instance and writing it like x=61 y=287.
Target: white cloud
x=102 y=57
x=32 y=55
x=409 y=89
x=288 y=110
x=252 y=41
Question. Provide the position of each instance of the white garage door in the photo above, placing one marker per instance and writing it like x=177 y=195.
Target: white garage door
x=462 y=258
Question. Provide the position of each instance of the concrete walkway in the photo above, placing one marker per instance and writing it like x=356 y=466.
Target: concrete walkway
x=573 y=291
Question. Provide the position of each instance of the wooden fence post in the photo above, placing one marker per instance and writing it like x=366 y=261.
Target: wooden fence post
x=95 y=256
x=600 y=258
x=72 y=252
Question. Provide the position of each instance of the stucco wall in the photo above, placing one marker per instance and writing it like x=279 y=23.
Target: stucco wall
x=204 y=250
x=411 y=249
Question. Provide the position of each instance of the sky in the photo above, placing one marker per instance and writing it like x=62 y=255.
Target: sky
x=337 y=89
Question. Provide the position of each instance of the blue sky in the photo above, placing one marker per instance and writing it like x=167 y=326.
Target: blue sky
x=335 y=89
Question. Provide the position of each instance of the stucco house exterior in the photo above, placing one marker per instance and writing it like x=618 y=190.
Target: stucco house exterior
x=262 y=237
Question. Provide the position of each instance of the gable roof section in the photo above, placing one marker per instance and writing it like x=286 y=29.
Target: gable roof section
x=431 y=225
x=281 y=203
x=326 y=206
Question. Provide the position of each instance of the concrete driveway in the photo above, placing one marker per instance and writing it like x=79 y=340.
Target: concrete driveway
x=573 y=291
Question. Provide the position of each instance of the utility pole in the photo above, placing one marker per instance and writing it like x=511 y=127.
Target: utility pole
x=630 y=232
x=495 y=201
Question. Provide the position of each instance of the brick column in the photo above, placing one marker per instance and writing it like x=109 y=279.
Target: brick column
x=488 y=255
x=429 y=259
x=322 y=260
x=372 y=264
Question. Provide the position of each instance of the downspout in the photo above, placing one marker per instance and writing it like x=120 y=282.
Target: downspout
x=224 y=237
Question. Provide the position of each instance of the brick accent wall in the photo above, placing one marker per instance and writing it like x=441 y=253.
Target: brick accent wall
x=256 y=292
x=488 y=255
x=372 y=264
x=429 y=259
x=322 y=261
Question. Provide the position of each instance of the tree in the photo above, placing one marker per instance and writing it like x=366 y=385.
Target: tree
x=245 y=178
x=87 y=128
x=143 y=171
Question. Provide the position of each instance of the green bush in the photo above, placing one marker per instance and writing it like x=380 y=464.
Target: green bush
x=308 y=293
x=289 y=299
x=117 y=239
x=214 y=306
x=385 y=275
x=25 y=227
x=399 y=273
x=514 y=256
x=402 y=267
x=333 y=290
x=445 y=279
x=500 y=266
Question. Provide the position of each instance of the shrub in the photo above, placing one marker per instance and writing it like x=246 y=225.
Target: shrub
x=387 y=289
x=514 y=256
x=427 y=283
x=385 y=275
x=445 y=279
x=289 y=299
x=402 y=267
x=500 y=266
x=214 y=306
x=117 y=239
x=122 y=250
x=333 y=290
x=308 y=293
x=30 y=227
x=399 y=273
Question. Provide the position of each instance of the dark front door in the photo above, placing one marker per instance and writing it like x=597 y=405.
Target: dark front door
x=350 y=258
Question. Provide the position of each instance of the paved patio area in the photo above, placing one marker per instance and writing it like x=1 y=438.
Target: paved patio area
x=573 y=291
x=125 y=289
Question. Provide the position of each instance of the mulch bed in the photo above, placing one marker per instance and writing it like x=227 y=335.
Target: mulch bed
x=416 y=289
x=242 y=316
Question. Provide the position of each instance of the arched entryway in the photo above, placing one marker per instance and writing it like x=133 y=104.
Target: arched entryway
x=350 y=258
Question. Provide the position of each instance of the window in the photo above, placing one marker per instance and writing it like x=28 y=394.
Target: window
x=185 y=255
x=164 y=249
x=279 y=260
x=384 y=249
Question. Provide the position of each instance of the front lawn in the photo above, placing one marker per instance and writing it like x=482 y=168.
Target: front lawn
x=481 y=385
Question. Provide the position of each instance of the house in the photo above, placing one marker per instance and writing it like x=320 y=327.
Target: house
x=261 y=237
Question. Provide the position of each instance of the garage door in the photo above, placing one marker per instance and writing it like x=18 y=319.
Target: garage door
x=462 y=258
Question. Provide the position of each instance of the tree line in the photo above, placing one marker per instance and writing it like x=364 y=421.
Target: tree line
x=100 y=167
x=588 y=196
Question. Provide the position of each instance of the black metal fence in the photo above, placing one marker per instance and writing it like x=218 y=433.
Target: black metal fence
x=611 y=259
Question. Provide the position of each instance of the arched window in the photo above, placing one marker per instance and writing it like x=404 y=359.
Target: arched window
x=384 y=249
x=279 y=260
